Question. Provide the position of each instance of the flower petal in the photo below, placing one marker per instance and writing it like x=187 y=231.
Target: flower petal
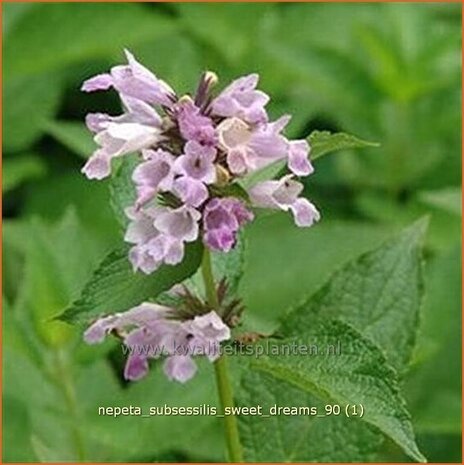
x=298 y=158
x=180 y=368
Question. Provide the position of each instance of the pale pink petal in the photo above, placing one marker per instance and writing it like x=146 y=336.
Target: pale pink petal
x=304 y=212
x=180 y=368
x=98 y=166
x=298 y=158
x=190 y=191
x=98 y=82
x=136 y=367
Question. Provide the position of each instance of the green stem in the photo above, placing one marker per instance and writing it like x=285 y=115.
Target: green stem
x=226 y=396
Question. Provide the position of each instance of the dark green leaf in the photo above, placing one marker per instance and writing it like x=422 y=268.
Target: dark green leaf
x=115 y=287
x=300 y=438
x=356 y=373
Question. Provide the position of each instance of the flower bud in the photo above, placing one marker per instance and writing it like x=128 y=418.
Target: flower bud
x=222 y=175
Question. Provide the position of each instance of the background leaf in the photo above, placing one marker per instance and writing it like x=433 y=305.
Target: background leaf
x=73 y=135
x=21 y=168
x=323 y=142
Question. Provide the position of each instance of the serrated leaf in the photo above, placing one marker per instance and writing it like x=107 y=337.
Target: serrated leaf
x=306 y=438
x=357 y=374
x=115 y=287
x=73 y=135
x=122 y=189
x=324 y=142
x=379 y=294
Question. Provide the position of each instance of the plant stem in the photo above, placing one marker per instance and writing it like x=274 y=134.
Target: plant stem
x=224 y=386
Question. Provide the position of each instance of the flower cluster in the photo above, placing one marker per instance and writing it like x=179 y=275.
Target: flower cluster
x=191 y=149
x=150 y=332
x=193 y=152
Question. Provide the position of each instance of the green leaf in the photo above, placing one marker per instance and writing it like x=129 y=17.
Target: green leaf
x=324 y=142
x=358 y=374
x=21 y=168
x=229 y=28
x=73 y=135
x=228 y=266
x=300 y=438
x=89 y=31
x=28 y=103
x=437 y=409
x=115 y=287
x=268 y=172
x=17 y=445
x=379 y=294
x=58 y=261
x=122 y=189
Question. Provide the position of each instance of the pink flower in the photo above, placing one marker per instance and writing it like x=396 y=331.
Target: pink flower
x=137 y=129
x=241 y=100
x=133 y=80
x=191 y=155
x=196 y=169
x=284 y=194
x=180 y=223
x=222 y=218
x=193 y=125
x=250 y=148
x=152 y=247
x=154 y=175
x=149 y=332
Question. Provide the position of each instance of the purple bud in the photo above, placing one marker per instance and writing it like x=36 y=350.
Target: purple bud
x=222 y=219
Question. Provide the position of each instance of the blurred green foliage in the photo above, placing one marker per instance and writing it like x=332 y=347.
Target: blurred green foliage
x=386 y=72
